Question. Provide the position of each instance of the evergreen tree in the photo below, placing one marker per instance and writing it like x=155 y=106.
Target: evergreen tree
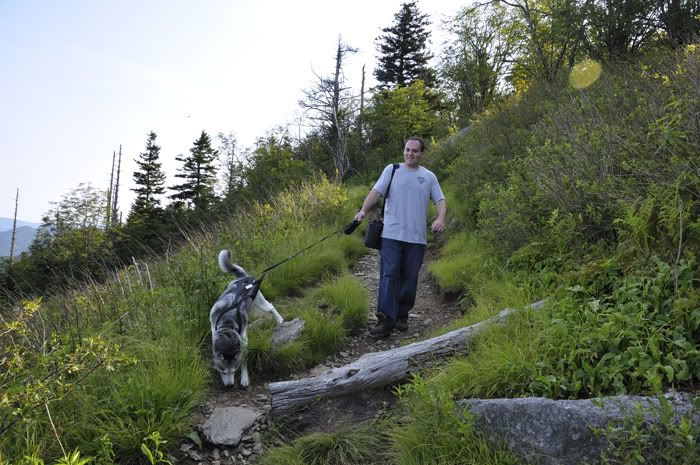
x=149 y=179
x=199 y=172
x=403 y=50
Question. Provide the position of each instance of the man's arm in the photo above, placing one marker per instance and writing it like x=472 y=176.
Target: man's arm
x=368 y=204
x=439 y=223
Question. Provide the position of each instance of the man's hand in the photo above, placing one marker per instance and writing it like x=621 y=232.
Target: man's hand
x=438 y=225
x=360 y=215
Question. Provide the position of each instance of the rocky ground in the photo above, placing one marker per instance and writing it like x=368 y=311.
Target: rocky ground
x=253 y=406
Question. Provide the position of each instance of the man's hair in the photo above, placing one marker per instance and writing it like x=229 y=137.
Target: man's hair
x=417 y=139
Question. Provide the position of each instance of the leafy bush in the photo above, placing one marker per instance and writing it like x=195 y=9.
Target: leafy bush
x=667 y=441
x=153 y=396
x=559 y=165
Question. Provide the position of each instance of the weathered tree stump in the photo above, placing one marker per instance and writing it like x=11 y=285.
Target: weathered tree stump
x=376 y=369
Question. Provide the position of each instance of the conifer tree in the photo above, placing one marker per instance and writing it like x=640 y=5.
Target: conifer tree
x=403 y=50
x=149 y=179
x=199 y=174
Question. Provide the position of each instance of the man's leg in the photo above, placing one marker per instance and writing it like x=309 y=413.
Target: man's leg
x=390 y=274
x=411 y=261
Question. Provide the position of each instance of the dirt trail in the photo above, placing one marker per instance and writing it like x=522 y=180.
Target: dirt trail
x=326 y=415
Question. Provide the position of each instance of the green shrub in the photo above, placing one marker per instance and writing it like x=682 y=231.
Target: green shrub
x=157 y=394
x=642 y=338
x=667 y=441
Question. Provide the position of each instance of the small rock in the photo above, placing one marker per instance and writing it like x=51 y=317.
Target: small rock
x=258 y=448
x=227 y=453
x=261 y=398
x=257 y=437
x=428 y=322
x=246 y=438
x=246 y=452
x=226 y=425
x=216 y=454
x=344 y=354
x=215 y=462
x=186 y=446
x=194 y=455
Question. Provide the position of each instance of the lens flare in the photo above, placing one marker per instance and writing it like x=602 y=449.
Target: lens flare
x=584 y=74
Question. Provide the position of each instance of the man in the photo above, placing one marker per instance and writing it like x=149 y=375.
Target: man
x=404 y=234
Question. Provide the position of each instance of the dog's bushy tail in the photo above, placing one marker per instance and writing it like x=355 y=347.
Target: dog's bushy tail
x=228 y=267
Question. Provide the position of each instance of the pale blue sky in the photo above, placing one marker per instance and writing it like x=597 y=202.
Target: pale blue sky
x=80 y=77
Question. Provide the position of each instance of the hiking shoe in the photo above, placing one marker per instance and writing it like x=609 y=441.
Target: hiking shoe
x=380 y=317
x=383 y=330
x=402 y=324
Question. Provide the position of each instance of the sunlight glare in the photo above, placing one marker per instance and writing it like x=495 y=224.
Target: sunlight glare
x=584 y=74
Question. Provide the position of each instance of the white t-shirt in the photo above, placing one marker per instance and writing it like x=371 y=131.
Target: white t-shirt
x=405 y=214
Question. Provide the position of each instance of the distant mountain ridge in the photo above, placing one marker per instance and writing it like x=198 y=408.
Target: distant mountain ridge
x=26 y=231
x=6 y=224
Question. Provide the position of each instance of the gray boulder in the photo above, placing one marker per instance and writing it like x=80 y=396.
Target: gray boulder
x=226 y=425
x=561 y=432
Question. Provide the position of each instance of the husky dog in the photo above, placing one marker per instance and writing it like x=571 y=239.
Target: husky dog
x=229 y=321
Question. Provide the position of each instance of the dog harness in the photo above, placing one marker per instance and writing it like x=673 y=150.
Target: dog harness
x=247 y=283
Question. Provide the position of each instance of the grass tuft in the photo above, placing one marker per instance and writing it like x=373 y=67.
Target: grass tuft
x=345 y=446
x=348 y=297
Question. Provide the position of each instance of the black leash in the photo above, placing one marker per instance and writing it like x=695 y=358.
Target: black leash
x=254 y=287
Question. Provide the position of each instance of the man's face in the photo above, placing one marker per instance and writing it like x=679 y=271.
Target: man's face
x=412 y=153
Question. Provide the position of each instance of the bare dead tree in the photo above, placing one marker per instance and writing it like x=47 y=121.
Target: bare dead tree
x=14 y=229
x=115 y=215
x=362 y=103
x=108 y=220
x=331 y=107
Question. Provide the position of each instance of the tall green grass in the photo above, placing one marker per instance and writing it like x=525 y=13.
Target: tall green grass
x=471 y=267
x=164 y=331
x=434 y=432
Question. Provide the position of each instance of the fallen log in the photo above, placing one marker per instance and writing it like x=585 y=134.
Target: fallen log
x=376 y=369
